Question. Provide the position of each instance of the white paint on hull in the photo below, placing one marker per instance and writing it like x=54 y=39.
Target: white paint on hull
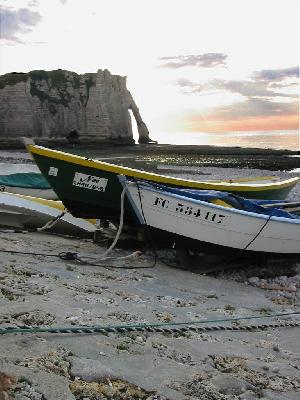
x=215 y=224
x=47 y=194
x=21 y=212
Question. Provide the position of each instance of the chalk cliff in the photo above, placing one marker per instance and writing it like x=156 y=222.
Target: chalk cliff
x=61 y=104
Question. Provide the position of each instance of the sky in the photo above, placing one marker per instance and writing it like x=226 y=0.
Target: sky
x=191 y=66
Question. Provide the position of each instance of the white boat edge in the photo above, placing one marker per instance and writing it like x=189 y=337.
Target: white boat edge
x=42 y=213
x=243 y=240
x=47 y=194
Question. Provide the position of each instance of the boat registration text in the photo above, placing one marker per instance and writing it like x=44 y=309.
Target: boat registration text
x=89 y=182
x=188 y=210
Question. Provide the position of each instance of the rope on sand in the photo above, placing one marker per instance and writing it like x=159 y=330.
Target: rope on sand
x=52 y=222
x=166 y=327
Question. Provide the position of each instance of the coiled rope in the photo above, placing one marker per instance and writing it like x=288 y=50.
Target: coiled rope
x=163 y=327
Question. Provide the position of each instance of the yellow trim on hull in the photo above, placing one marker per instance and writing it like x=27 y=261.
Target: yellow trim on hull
x=50 y=203
x=131 y=172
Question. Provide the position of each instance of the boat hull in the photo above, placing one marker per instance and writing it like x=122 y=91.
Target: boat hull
x=25 y=212
x=27 y=184
x=91 y=188
x=160 y=239
x=47 y=194
x=212 y=225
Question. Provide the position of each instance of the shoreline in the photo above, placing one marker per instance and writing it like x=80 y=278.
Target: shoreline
x=149 y=156
x=146 y=148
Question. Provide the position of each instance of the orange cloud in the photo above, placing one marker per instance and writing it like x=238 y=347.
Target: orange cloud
x=265 y=123
x=191 y=122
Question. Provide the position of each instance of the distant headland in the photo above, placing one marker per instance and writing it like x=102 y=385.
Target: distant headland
x=62 y=108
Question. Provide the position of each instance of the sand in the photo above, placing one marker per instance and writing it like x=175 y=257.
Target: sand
x=42 y=291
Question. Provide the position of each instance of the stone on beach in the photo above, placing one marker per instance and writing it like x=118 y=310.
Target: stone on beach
x=91 y=370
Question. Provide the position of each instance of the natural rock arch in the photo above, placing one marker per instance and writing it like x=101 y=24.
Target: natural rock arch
x=51 y=104
x=141 y=126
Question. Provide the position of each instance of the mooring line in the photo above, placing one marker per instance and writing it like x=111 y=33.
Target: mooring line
x=162 y=327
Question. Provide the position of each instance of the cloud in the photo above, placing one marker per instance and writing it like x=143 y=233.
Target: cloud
x=248 y=115
x=208 y=60
x=244 y=88
x=255 y=87
x=272 y=75
x=266 y=103
x=33 y=3
x=189 y=87
x=252 y=88
x=14 y=22
x=254 y=107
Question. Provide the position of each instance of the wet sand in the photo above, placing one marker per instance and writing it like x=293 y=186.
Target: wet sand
x=39 y=291
x=149 y=156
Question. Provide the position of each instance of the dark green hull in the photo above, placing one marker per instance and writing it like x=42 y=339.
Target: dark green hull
x=82 y=202
x=91 y=189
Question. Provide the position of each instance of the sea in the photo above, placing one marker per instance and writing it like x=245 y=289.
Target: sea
x=279 y=139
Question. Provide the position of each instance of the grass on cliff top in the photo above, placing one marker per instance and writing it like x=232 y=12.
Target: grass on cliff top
x=58 y=78
x=12 y=79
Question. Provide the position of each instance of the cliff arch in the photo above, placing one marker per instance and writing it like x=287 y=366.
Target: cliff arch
x=51 y=104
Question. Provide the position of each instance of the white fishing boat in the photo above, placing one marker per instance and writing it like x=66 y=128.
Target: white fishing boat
x=212 y=220
x=25 y=212
x=28 y=184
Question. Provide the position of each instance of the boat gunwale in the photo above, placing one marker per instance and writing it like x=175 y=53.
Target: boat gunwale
x=47 y=202
x=131 y=172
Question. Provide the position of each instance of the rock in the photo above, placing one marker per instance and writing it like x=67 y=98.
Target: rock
x=91 y=370
x=21 y=397
x=65 y=107
x=230 y=385
x=272 y=395
x=249 y=395
x=254 y=280
x=24 y=391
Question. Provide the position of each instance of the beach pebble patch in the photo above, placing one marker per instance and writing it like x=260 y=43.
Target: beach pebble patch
x=53 y=362
x=109 y=390
x=35 y=318
x=200 y=388
x=23 y=390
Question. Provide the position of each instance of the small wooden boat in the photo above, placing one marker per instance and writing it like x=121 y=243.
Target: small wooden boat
x=91 y=189
x=28 y=184
x=25 y=212
x=209 y=220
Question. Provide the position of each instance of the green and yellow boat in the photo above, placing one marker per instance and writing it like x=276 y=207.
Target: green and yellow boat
x=90 y=188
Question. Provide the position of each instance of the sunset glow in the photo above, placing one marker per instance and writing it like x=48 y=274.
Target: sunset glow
x=199 y=66
x=211 y=123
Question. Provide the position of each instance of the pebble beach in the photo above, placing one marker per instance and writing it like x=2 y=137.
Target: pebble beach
x=40 y=290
